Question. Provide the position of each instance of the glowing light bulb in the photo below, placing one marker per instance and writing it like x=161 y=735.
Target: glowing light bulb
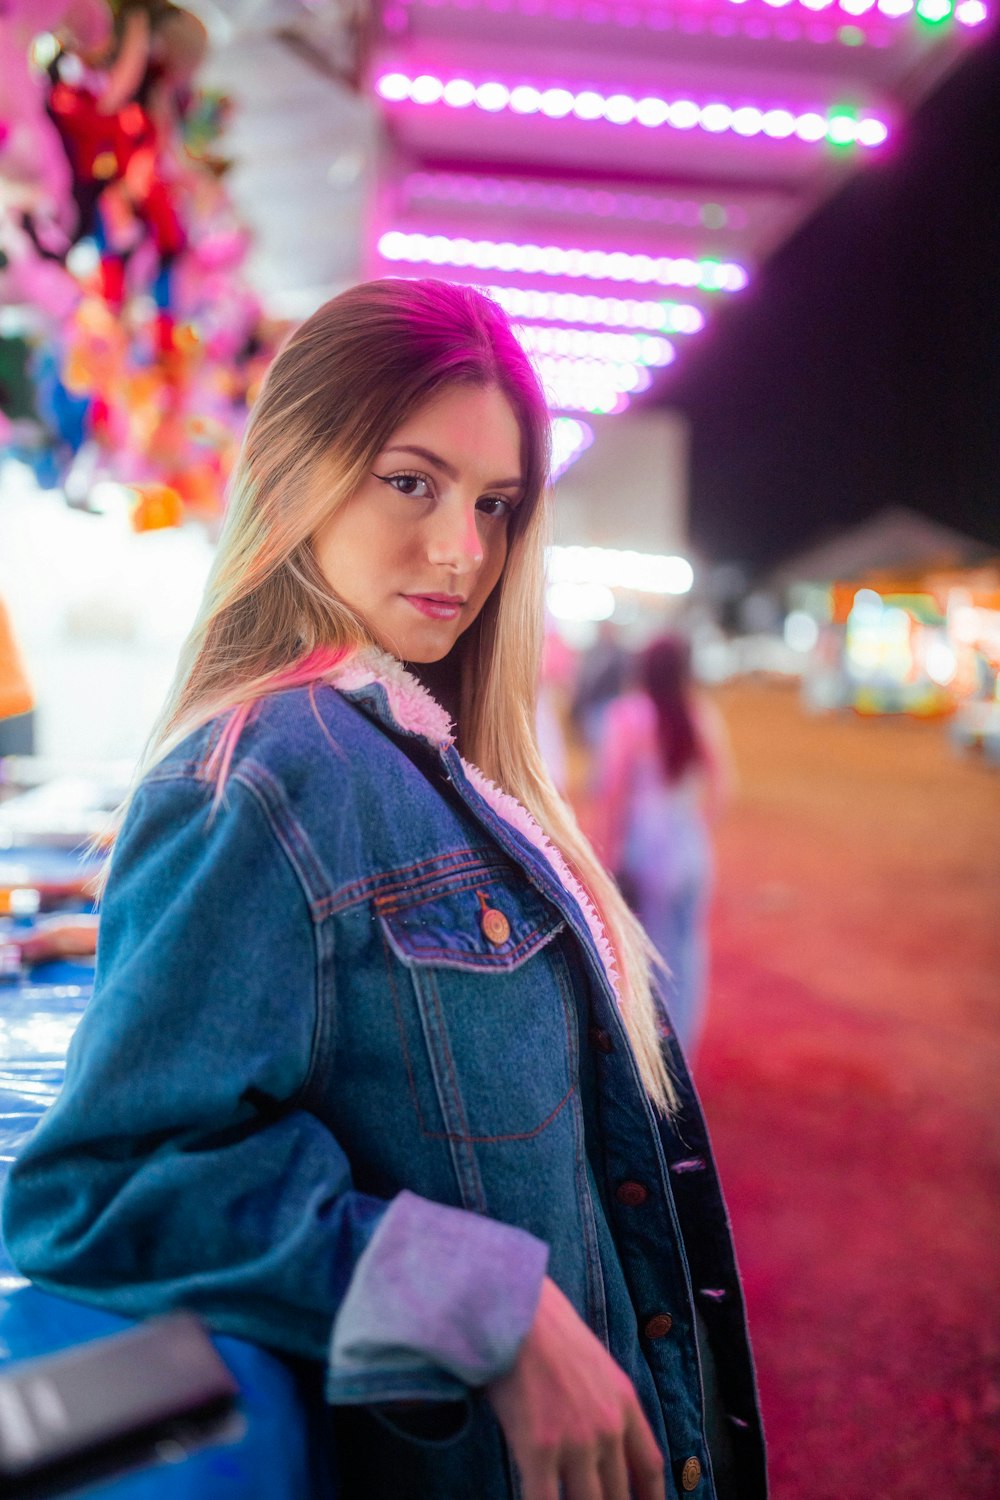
x=842 y=129
x=492 y=97
x=525 y=100
x=652 y=112
x=684 y=114
x=459 y=93
x=971 y=12
x=934 y=11
x=556 y=103
x=872 y=132
x=426 y=90
x=394 y=86
x=748 y=121
x=588 y=105
x=778 y=123
x=619 y=109
x=716 y=117
x=810 y=127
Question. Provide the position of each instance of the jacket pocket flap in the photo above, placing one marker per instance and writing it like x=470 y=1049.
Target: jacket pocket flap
x=495 y=924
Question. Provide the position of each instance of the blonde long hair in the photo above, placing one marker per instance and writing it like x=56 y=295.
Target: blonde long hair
x=348 y=378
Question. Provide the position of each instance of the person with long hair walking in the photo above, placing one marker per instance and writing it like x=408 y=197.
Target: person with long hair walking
x=664 y=778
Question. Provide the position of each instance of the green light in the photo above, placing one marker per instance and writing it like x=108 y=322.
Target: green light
x=842 y=130
x=851 y=36
x=934 y=11
x=713 y=216
x=709 y=275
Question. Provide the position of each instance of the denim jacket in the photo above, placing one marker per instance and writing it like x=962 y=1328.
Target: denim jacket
x=328 y=1094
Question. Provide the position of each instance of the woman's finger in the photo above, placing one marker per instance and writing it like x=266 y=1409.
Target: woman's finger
x=539 y=1477
x=581 y=1479
x=613 y=1472
x=643 y=1457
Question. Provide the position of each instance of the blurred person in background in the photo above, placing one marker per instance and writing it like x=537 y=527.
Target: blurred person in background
x=664 y=776
x=601 y=675
x=374 y=1073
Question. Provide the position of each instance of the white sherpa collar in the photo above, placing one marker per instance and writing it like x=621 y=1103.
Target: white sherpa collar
x=410 y=704
x=414 y=710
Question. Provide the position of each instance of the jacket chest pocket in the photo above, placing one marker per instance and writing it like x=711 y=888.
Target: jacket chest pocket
x=485 y=1008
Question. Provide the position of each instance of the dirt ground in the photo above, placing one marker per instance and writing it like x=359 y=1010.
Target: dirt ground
x=851 y=1074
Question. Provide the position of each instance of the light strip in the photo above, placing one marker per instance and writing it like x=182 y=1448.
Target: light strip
x=571 y=199
x=613 y=312
x=660 y=14
x=641 y=349
x=646 y=572
x=837 y=126
x=552 y=260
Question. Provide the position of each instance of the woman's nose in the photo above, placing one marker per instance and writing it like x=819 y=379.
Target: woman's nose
x=454 y=540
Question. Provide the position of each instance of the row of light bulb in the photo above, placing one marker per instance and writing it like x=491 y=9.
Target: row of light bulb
x=552 y=260
x=838 y=126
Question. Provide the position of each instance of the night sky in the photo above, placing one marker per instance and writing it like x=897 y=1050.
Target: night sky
x=862 y=368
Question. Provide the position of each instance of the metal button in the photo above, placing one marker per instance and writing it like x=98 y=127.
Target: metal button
x=600 y=1039
x=690 y=1474
x=659 y=1326
x=496 y=928
x=631 y=1193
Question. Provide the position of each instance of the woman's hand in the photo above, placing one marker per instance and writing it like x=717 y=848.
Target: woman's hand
x=571 y=1415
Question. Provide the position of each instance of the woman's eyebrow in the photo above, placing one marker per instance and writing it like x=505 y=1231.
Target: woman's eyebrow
x=449 y=469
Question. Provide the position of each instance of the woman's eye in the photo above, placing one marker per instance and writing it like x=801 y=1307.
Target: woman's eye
x=408 y=484
x=495 y=505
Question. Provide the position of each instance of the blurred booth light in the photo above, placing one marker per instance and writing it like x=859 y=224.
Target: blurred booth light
x=570 y=438
x=801 y=631
x=643 y=572
x=716 y=117
x=940 y=662
x=579 y=601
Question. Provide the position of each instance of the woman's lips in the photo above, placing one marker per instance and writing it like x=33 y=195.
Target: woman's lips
x=436 y=606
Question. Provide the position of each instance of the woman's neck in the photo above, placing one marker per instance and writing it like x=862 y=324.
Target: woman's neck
x=442 y=679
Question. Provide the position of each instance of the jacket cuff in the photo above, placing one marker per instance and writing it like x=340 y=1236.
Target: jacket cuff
x=440 y=1300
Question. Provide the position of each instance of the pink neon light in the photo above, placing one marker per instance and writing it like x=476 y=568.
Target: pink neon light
x=602 y=203
x=714 y=116
x=553 y=260
x=667 y=14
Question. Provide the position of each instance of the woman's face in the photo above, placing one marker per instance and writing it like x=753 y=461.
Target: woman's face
x=418 y=548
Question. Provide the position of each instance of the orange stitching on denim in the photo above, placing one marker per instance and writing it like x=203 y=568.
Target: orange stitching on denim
x=338 y=900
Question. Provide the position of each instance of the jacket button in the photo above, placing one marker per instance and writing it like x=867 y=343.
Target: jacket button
x=496 y=928
x=659 y=1326
x=600 y=1039
x=631 y=1193
x=690 y=1474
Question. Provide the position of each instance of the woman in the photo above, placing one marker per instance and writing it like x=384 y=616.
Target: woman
x=665 y=775
x=373 y=1071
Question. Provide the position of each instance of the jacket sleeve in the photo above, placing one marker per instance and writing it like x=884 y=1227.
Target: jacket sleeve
x=178 y=1167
